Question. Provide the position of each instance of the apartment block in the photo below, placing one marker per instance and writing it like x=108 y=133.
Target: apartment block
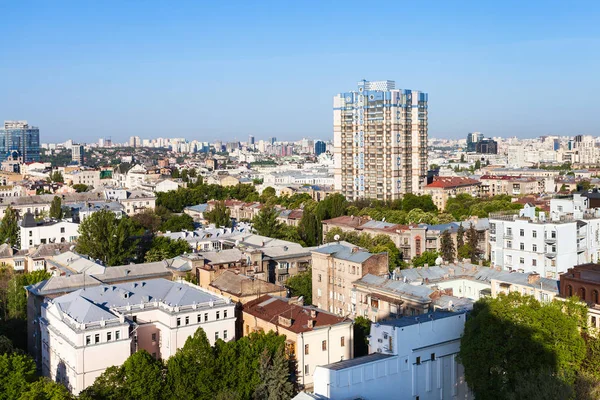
x=380 y=141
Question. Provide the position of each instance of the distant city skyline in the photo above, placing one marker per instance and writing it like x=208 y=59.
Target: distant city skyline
x=120 y=70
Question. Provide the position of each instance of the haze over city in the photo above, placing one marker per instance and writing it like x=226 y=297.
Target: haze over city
x=209 y=71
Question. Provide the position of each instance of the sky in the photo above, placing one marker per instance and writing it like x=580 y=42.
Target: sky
x=210 y=70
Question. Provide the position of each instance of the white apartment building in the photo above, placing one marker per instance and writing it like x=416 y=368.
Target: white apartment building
x=88 y=330
x=34 y=233
x=548 y=245
x=380 y=141
x=84 y=177
x=411 y=358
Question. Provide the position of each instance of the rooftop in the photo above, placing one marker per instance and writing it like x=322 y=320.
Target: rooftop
x=452 y=182
x=419 y=319
x=354 y=362
x=344 y=252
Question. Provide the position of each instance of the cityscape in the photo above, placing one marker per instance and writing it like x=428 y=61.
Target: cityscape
x=392 y=254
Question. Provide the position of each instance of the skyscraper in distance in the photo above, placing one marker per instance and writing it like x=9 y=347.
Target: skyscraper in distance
x=20 y=141
x=320 y=147
x=77 y=153
x=380 y=141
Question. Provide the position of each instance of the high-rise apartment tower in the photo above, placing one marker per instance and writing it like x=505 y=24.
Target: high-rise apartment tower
x=20 y=141
x=380 y=141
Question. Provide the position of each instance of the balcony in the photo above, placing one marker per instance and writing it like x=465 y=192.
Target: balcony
x=551 y=254
x=508 y=236
x=550 y=239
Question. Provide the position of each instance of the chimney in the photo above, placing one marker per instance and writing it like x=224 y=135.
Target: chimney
x=313 y=313
x=533 y=278
x=284 y=321
x=355 y=249
x=310 y=324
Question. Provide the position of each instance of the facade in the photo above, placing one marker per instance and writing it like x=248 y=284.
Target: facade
x=472 y=139
x=20 y=141
x=486 y=146
x=320 y=147
x=550 y=245
x=443 y=188
x=380 y=141
x=88 y=330
x=334 y=267
x=34 y=233
x=583 y=281
x=84 y=177
x=411 y=358
x=314 y=337
x=77 y=153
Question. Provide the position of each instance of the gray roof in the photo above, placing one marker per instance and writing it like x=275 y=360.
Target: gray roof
x=344 y=252
x=396 y=287
x=357 y=361
x=198 y=208
x=417 y=319
x=97 y=303
x=70 y=262
x=223 y=256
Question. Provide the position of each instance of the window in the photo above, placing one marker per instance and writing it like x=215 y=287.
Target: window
x=154 y=337
x=432 y=356
x=319 y=278
x=534 y=262
x=521 y=260
x=199 y=318
x=343 y=341
x=88 y=339
x=418 y=361
x=508 y=233
x=534 y=247
x=306 y=369
x=595 y=296
x=30 y=233
x=117 y=335
x=534 y=233
x=134 y=318
x=522 y=246
x=305 y=349
x=594 y=322
x=62 y=230
x=205 y=317
x=97 y=338
x=218 y=312
x=509 y=244
x=319 y=292
x=216 y=336
x=324 y=345
x=224 y=313
x=178 y=321
x=522 y=232
x=225 y=334
x=108 y=336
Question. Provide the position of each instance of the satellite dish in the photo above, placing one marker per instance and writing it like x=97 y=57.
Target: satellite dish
x=336 y=238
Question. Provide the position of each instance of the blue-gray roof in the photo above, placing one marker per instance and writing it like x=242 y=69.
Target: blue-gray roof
x=198 y=208
x=416 y=319
x=344 y=252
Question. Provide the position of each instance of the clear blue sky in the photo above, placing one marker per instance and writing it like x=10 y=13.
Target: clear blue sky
x=223 y=69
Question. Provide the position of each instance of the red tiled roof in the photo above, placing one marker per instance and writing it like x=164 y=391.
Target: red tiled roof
x=347 y=220
x=451 y=182
x=270 y=308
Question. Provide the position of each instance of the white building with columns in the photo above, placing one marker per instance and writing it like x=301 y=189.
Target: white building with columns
x=88 y=330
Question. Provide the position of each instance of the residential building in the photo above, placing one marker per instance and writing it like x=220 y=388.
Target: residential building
x=411 y=358
x=334 y=267
x=443 y=188
x=380 y=141
x=242 y=288
x=548 y=245
x=77 y=153
x=20 y=141
x=88 y=330
x=313 y=337
x=88 y=177
x=486 y=146
x=583 y=281
x=34 y=233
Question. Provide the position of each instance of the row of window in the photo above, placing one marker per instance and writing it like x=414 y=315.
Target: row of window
x=534 y=247
x=109 y=337
x=533 y=233
x=324 y=345
x=199 y=318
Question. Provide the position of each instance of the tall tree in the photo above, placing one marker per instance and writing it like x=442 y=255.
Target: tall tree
x=427 y=257
x=310 y=228
x=105 y=237
x=460 y=236
x=274 y=375
x=148 y=219
x=16 y=294
x=447 y=250
x=56 y=208
x=17 y=372
x=163 y=247
x=513 y=335
x=46 y=389
x=9 y=228
x=219 y=215
x=265 y=222
x=362 y=330
x=301 y=285
x=473 y=242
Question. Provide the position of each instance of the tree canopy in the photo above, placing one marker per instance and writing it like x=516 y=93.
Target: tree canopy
x=219 y=215
x=301 y=285
x=9 y=228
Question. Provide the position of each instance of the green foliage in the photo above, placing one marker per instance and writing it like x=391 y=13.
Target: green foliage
x=513 y=335
x=377 y=244
x=465 y=205
x=362 y=329
x=9 y=228
x=149 y=220
x=80 y=187
x=163 y=247
x=177 y=223
x=16 y=294
x=447 y=250
x=301 y=285
x=103 y=236
x=200 y=193
x=310 y=227
x=17 y=372
x=427 y=257
x=219 y=215
x=45 y=389
x=274 y=374
x=57 y=176
x=56 y=211
x=265 y=222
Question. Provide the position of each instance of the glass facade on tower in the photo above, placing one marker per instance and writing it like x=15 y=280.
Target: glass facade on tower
x=19 y=141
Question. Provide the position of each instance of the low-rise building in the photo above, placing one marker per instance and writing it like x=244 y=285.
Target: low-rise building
x=34 y=233
x=88 y=330
x=411 y=358
x=442 y=188
x=314 y=337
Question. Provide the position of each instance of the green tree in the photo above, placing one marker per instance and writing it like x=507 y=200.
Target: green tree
x=56 y=208
x=301 y=285
x=9 y=228
x=147 y=219
x=513 y=335
x=427 y=257
x=268 y=194
x=80 y=187
x=177 y=223
x=275 y=377
x=219 y=215
x=265 y=222
x=57 y=176
x=103 y=236
x=473 y=243
x=163 y=247
x=45 y=389
x=16 y=294
x=460 y=236
x=17 y=372
x=447 y=250
x=362 y=330
x=310 y=228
